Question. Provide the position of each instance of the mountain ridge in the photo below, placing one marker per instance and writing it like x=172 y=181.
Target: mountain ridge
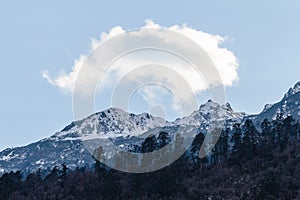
x=124 y=128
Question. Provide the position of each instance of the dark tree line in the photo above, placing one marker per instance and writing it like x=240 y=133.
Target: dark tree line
x=246 y=163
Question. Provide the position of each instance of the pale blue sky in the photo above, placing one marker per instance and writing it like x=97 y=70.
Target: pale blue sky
x=35 y=36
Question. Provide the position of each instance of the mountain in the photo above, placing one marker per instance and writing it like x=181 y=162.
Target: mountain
x=126 y=129
x=110 y=123
x=210 y=112
x=289 y=105
x=66 y=146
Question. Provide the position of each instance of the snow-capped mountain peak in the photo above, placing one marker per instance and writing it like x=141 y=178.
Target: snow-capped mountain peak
x=209 y=112
x=113 y=122
x=121 y=127
x=293 y=90
x=267 y=107
x=289 y=105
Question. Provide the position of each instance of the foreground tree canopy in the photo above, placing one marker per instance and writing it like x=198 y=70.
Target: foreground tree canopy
x=245 y=163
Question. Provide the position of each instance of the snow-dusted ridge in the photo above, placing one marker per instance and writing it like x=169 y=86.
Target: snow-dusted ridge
x=115 y=122
x=293 y=90
x=110 y=123
x=66 y=146
x=210 y=111
x=288 y=106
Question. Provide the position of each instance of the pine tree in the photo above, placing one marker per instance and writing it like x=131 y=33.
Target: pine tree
x=178 y=151
x=267 y=141
x=277 y=127
x=98 y=155
x=178 y=145
x=279 y=131
x=236 y=139
x=165 y=151
x=162 y=140
x=64 y=173
x=216 y=149
x=250 y=139
x=195 y=149
x=266 y=127
x=267 y=135
x=224 y=144
x=296 y=130
x=148 y=146
x=287 y=128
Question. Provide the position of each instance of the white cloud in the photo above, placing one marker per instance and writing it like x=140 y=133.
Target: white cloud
x=225 y=61
x=66 y=81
